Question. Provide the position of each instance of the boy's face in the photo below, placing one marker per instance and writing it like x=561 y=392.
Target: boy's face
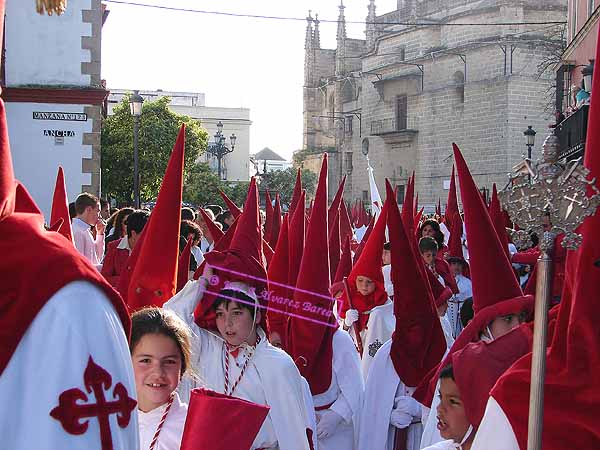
x=429 y=256
x=236 y=324
x=456 y=268
x=365 y=285
x=501 y=325
x=387 y=257
x=452 y=420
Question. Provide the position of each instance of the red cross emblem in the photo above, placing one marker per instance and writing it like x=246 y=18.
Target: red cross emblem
x=97 y=380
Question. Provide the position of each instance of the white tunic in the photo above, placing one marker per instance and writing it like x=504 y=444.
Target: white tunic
x=171 y=431
x=431 y=434
x=380 y=327
x=447 y=329
x=495 y=431
x=387 y=280
x=76 y=324
x=270 y=379
x=345 y=392
x=455 y=303
x=382 y=388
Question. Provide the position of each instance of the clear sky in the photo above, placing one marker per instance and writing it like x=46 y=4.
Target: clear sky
x=236 y=62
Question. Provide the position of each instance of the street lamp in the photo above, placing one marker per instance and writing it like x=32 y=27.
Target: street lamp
x=135 y=106
x=587 y=73
x=530 y=136
x=218 y=149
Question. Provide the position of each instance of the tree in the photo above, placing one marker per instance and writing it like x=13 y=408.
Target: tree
x=159 y=127
x=282 y=182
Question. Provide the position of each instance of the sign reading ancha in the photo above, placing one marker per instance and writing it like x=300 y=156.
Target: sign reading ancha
x=59 y=133
x=49 y=115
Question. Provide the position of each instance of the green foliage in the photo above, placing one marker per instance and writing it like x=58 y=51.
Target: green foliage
x=201 y=187
x=159 y=127
x=282 y=182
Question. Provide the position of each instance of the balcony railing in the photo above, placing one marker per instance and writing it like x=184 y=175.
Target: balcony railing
x=393 y=125
x=572 y=132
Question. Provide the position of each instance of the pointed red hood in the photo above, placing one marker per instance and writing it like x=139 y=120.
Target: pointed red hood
x=215 y=232
x=343 y=269
x=334 y=244
x=276 y=223
x=452 y=202
x=418 y=342
x=60 y=206
x=296 y=194
x=311 y=329
x=497 y=217
x=153 y=280
x=7 y=177
x=278 y=285
x=407 y=207
x=438 y=210
x=335 y=204
x=268 y=216
x=297 y=234
x=233 y=208
x=573 y=361
x=242 y=261
x=183 y=265
x=364 y=240
x=345 y=225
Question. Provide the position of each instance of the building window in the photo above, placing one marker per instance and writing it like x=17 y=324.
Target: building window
x=348 y=162
x=402 y=53
x=401 y=112
x=365 y=197
x=400 y=194
x=349 y=124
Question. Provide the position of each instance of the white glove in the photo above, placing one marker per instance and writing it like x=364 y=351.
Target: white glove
x=351 y=317
x=409 y=405
x=400 y=419
x=327 y=423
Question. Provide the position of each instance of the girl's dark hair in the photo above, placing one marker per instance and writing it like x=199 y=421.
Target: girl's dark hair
x=447 y=372
x=154 y=320
x=439 y=236
x=226 y=296
x=466 y=312
x=118 y=218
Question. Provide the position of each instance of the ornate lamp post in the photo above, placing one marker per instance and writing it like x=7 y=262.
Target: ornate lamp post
x=555 y=201
x=588 y=72
x=530 y=136
x=219 y=149
x=135 y=106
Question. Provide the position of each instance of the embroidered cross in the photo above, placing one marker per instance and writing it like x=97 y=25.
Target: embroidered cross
x=374 y=347
x=97 y=380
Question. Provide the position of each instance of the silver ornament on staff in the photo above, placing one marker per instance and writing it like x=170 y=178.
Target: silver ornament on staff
x=551 y=200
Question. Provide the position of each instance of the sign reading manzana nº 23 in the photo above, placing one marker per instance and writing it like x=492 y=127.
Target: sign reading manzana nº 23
x=51 y=115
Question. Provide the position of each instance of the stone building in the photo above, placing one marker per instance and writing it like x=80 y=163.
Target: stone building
x=431 y=73
x=53 y=93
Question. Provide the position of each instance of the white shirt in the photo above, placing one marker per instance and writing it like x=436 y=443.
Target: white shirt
x=172 y=430
x=92 y=249
x=124 y=244
x=77 y=325
x=205 y=246
x=465 y=290
x=387 y=280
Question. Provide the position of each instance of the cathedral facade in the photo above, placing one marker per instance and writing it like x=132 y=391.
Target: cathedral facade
x=430 y=73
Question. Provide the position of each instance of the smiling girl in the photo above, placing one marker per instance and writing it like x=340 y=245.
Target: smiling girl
x=160 y=353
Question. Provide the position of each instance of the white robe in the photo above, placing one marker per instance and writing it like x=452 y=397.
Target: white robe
x=172 y=430
x=270 y=379
x=431 y=434
x=495 y=431
x=77 y=323
x=447 y=329
x=455 y=304
x=387 y=280
x=380 y=327
x=382 y=388
x=345 y=392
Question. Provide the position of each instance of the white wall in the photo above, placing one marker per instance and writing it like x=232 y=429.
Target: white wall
x=45 y=50
x=36 y=157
